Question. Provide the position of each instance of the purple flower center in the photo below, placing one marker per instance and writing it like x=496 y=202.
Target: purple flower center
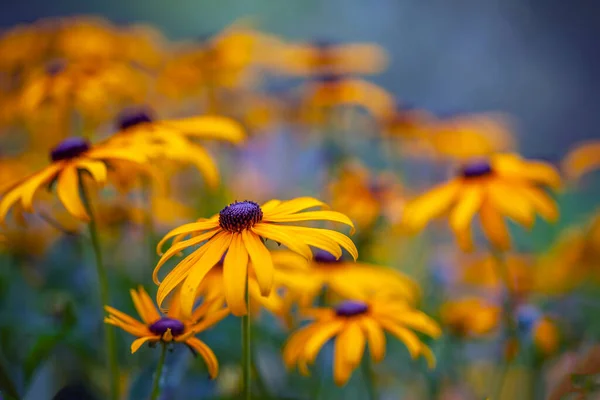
x=69 y=148
x=240 y=215
x=350 y=308
x=134 y=116
x=331 y=79
x=161 y=326
x=325 y=257
x=55 y=67
x=476 y=169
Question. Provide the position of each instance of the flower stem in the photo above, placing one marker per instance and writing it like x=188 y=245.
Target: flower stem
x=158 y=374
x=368 y=376
x=246 y=353
x=109 y=333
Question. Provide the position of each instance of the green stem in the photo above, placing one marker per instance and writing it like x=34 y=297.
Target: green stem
x=368 y=376
x=109 y=333
x=246 y=352
x=149 y=228
x=159 y=369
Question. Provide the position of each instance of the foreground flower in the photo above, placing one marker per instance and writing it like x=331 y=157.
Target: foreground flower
x=70 y=159
x=239 y=230
x=582 y=159
x=470 y=316
x=168 y=328
x=502 y=185
x=170 y=139
x=353 y=323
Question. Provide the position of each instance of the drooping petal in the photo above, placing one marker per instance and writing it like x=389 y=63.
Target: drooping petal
x=178 y=274
x=541 y=202
x=412 y=342
x=218 y=245
x=326 y=331
x=430 y=205
x=139 y=342
x=510 y=203
x=306 y=233
x=112 y=153
x=68 y=193
x=468 y=203
x=235 y=274
x=312 y=216
x=32 y=184
x=341 y=367
x=494 y=226
x=464 y=238
x=355 y=340
x=97 y=169
x=200 y=158
x=375 y=337
x=417 y=321
x=210 y=320
x=262 y=264
x=206 y=353
x=209 y=127
x=271 y=231
x=194 y=227
x=314 y=237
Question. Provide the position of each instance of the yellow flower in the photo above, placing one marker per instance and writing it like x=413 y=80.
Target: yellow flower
x=365 y=197
x=412 y=126
x=471 y=135
x=584 y=158
x=483 y=272
x=353 y=323
x=69 y=158
x=239 y=230
x=87 y=38
x=23 y=46
x=470 y=316
x=171 y=139
x=502 y=185
x=168 y=328
x=321 y=57
x=546 y=336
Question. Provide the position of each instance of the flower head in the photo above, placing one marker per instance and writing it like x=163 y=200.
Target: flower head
x=170 y=327
x=353 y=324
x=239 y=230
x=502 y=185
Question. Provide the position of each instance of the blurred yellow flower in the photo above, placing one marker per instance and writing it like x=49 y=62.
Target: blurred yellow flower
x=24 y=46
x=501 y=185
x=168 y=328
x=354 y=323
x=483 y=272
x=546 y=336
x=582 y=159
x=70 y=158
x=239 y=230
x=470 y=316
x=365 y=196
x=87 y=38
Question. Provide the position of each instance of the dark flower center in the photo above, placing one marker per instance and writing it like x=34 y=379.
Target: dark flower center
x=134 y=116
x=69 y=148
x=55 y=67
x=240 y=215
x=350 y=308
x=476 y=169
x=325 y=257
x=161 y=326
x=329 y=79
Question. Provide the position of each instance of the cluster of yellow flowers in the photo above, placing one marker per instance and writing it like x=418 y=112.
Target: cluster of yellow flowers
x=63 y=81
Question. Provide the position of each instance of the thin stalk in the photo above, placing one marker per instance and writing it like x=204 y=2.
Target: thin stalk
x=158 y=374
x=109 y=333
x=368 y=375
x=149 y=228
x=246 y=352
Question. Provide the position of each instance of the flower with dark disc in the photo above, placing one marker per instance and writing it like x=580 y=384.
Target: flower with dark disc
x=476 y=169
x=161 y=326
x=69 y=148
x=240 y=215
x=351 y=308
x=133 y=117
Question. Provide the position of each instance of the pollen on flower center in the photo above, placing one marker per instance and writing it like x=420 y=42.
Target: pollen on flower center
x=161 y=326
x=476 y=169
x=325 y=257
x=240 y=215
x=134 y=116
x=69 y=148
x=350 y=308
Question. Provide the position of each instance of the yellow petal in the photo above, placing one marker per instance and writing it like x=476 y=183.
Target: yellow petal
x=111 y=153
x=430 y=205
x=218 y=245
x=177 y=275
x=464 y=238
x=203 y=162
x=207 y=354
x=312 y=216
x=541 y=202
x=235 y=273
x=375 y=337
x=139 y=342
x=194 y=227
x=68 y=193
x=355 y=343
x=149 y=307
x=510 y=202
x=210 y=320
x=32 y=184
x=412 y=342
x=581 y=160
x=290 y=206
x=320 y=336
x=262 y=264
x=122 y=316
x=468 y=203
x=341 y=368
x=209 y=127
x=417 y=321
x=271 y=231
x=97 y=169
x=494 y=227
x=426 y=352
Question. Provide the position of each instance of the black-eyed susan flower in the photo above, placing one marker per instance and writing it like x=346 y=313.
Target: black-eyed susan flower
x=582 y=159
x=470 y=316
x=498 y=186
x=168 y=328
x=353 y=324
x=172 y=139
x=344 y=279
x=239 y=230
x=69 y=158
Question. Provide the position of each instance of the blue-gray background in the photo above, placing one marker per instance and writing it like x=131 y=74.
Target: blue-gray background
x=535 y=59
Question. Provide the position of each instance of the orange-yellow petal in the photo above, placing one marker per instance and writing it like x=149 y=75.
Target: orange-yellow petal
x=68 y=193
x=235 y=274
x=262 y=263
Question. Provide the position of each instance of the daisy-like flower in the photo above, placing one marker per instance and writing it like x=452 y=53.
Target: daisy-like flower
x=168 y=328
x=470 y=316
x=582 y=159
x=171 y=139
x=354 y=323
x=69 y=159
x=344 y=279
x=501 y=185
x=239 y=230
